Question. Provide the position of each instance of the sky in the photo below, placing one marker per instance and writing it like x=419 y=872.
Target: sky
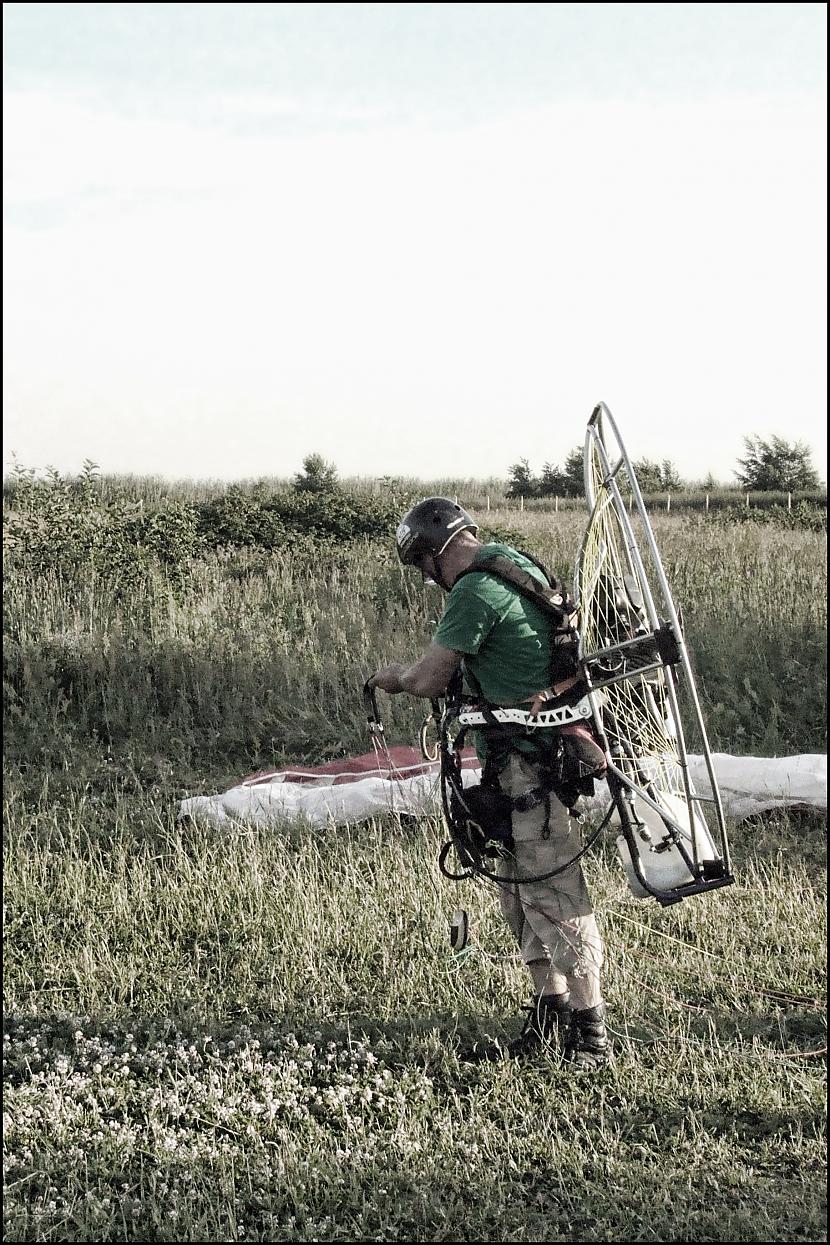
x=418 y=239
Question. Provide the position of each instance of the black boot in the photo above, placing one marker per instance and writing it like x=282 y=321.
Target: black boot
x=587 y=1046
x=547 y=1017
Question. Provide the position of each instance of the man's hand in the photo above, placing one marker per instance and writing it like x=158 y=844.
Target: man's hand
x=388 y=679
x=541 y=699
x=429 y=675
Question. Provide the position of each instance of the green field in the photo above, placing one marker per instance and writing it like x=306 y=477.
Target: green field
x=263 y=1035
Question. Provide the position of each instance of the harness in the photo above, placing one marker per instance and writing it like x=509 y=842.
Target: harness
x=561 y=741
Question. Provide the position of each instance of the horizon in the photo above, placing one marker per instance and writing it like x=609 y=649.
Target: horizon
x=687 y=484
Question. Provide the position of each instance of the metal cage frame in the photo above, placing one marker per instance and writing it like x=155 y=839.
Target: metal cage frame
x=658 y=653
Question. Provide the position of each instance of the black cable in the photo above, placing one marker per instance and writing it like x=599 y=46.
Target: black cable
x=479 y=871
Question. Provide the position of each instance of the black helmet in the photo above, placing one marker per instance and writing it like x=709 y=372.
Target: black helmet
x=429 y=527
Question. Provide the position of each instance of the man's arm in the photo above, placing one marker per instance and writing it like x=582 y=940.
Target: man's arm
x=429 y=676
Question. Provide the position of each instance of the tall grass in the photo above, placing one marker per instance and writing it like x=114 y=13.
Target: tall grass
x=259 y=657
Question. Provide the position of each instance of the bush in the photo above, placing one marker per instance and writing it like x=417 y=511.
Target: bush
x=803 y=515
x=68 y=528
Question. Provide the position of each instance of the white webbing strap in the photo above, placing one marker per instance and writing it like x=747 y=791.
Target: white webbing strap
x=521 y=717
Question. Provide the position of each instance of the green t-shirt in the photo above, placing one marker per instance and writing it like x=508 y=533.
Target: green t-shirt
x=504 y=637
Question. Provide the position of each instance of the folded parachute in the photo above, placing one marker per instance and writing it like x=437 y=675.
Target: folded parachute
x=399 y=780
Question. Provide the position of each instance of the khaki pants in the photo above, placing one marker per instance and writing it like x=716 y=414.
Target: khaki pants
x=553 y=920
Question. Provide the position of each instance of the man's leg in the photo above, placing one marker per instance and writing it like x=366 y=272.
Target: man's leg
x=546 y=979
x=548 y=1016
x=560 y=940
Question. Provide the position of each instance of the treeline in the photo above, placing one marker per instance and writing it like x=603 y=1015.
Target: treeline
x=568 y=480
x=773 y=465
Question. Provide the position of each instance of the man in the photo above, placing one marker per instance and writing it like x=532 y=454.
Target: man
x=502 y=641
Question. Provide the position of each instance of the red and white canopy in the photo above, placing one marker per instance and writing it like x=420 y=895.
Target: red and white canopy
x=401 y=781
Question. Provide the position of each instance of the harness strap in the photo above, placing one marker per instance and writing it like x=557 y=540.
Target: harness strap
x=553 y=600
x=522 y=720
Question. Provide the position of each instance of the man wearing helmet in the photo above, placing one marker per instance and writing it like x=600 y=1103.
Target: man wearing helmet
x=502 y=642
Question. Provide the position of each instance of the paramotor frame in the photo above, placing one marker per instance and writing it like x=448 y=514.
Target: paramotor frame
x=635 y=660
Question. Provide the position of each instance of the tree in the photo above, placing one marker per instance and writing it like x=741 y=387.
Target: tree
x=776 y=465
x=648 y=475
x=552 y=482
x=656 y=477
x=522 y=483
x=670 y=476
x=317 y=476
x=574 y=473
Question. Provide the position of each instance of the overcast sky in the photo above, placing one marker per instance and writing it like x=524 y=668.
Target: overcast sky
x=419 y=239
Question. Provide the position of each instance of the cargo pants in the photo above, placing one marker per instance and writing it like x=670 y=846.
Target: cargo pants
x=553 y=920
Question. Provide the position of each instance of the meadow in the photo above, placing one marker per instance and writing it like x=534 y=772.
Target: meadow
x=264 y=1035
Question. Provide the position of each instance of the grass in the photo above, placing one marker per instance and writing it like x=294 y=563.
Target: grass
x=263 y=1035
x=279 y=1017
